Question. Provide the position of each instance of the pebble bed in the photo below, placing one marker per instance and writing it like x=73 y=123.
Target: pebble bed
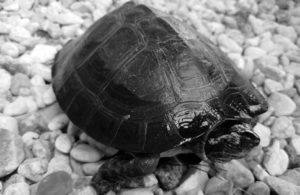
x=42 y=153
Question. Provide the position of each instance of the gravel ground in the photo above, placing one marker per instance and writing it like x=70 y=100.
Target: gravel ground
x=41 y=152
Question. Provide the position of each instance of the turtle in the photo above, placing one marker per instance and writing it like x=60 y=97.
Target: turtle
x=144 y=82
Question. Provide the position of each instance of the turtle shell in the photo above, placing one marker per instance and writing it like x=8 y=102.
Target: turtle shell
x=142 y=81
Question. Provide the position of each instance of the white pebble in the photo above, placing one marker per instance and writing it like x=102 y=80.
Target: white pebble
x=63 y=143
x=43 y=53
x=9 y=48
x=91 y=169
x=295 y=143
x=276 y=160
x=42 y=70
x=287 y=31
x=21 y=188
x=58 y=122
x=37 y=80
x=29 y=138
x=282 y=104
x=5 y=81
x=49 y=96
x=136 y=191
x=19 y=34
x=254 y=52
x=85 y=153
x=9 y=123
x=264 y=134
x=33 y=168
x=283 y=128
x=271 y=86
x=231 y=45
x=17 y=107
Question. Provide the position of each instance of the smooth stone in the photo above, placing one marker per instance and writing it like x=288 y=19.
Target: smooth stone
x=292 y=176
x=14 y=178
x=58 y=122
x=59 y=163
x=20 y=84
x=259 y=188
x=4 y=28
x=258 y=25
x=63 y=143
x=43 y=53
x=294 y=159
x=293 y=56
x=91 y=169
x=59 y=182
x=38 y=92
x=42 y=70
x=9 y=123
x=49 y=96
x=33 y=168
x=287 y=31
x=295 y=142
x=29 y=138
x=271 y=86
x=67 y=18
x=293 y=68
x=42 y=149
x=283 y=128
x=37 y=80
x=5 y=81
x=276 y=160
x=19 y=34
x=107 y=150
x=254 y=52
x=21 y=188
x=258 y=171
x=9 y=48
x=264 y=133
x=87 y=190
x=136 y=191
x=282 y=104
x=85 y=153
x=218 y=186
x=229 y=44
x=282 y=187
x=273 y=72
x=70 y=30
x=284 y=42
x=236 y=172
x=11 y=152
x=76 y=167
x=256 y=154
x=82 y=7
x=17 y=107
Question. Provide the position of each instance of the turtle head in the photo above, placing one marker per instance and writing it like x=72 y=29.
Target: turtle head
x=232 y=139
x=242 y=99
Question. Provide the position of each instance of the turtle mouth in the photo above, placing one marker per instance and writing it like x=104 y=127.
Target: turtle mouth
x=229 y=140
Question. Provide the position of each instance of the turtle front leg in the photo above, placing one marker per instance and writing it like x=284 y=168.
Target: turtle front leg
x=119 y=170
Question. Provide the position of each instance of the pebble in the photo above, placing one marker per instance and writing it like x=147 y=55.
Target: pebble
x=11 y=49
x=293 y=68
x=19 y=34
x=5 y=81
x=85 y=153
x=29 y=138
x=63 y=143
x=256 y=154
x=17 y=107
x=91 y=169
x=11 y=152
x=58 y=122
x=76 y=167
x=283 y=128
x=59 y=163
x=136 y=191
x=264 y=134
x=67 y=18
x=282 y=104
x=218 y=185
x=69 y=30
x=20 y=84
x=259 y=188
x=236 y=172
x=271 y=86
x=296 y=123
x=87 y=190
x=258 y=171
x=42 y=70
x=292 y=176
x=195 y=180
x=282 y=187
x=42 y=53
x=284 y=42
x=295 y=143
x=257 y=24
x=59 y=182
x=49 y=96
x=276 y=160
x=293 y=157
x=254 y=52
x=33 y=168
x=4 y=28
x=42 y=149
x=9 y=123
x=229 y=44
x=287 y=31
x=107 y=150
x=21 y=188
